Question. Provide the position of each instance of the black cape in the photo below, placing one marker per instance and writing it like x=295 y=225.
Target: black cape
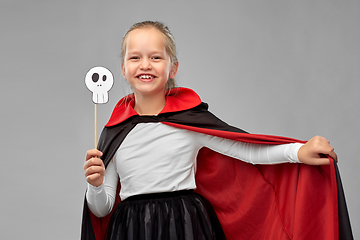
x=282 y=201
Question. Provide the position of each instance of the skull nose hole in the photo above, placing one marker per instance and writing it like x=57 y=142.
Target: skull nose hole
x=95 y=77
x=104 y=78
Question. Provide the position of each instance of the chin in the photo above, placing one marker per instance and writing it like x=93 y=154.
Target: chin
x=149 y=90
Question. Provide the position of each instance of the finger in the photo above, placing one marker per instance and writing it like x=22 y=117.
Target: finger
x=333 y=155
x=92 y=178
x=329 y=150
x=94 y=170
x=93 y=162
x=93 y=153
x=322 y=161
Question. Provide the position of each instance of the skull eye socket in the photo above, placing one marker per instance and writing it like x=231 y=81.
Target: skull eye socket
x=104 y=78
x=95 y=77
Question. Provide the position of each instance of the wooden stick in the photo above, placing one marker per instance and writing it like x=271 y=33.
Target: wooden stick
x=95 y=129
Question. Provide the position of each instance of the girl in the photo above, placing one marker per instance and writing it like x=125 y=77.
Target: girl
x=152 y=146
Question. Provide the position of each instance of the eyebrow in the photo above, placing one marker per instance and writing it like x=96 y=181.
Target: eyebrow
x=139 y=52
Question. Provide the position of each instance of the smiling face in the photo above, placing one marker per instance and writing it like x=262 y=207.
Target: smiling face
x=147 y=65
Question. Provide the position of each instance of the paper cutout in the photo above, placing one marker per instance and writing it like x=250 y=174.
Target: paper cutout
x=99 y=81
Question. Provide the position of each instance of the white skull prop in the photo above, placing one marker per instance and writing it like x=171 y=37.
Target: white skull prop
x=99 y=81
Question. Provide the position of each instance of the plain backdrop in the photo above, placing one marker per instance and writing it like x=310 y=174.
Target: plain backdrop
x=279 y=67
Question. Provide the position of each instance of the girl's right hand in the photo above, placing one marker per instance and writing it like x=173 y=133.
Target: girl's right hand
x=94 y=167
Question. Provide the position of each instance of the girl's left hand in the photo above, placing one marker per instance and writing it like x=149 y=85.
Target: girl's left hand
x=315 y=152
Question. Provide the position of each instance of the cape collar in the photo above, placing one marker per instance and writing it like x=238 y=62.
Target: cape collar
x=178 y=99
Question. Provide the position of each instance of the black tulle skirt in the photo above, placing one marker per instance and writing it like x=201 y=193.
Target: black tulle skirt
x=165 y=216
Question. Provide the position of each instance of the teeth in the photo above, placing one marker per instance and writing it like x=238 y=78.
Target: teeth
x=146 y=77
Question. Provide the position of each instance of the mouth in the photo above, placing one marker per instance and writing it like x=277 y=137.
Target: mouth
x=145 y=77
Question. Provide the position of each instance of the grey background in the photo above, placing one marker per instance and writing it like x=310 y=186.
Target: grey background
x=278 y=67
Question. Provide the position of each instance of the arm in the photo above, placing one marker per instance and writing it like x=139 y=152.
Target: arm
x=102 y=185
x=251 y=153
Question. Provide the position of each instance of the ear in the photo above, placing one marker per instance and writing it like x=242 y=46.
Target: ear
x=174 y=70
x=123 y=70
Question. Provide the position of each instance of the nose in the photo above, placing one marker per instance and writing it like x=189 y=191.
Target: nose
x=145 y=64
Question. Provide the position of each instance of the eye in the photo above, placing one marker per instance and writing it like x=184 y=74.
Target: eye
x=95 y=77
x=134 y=58
x=156 y=57
x=104 y=78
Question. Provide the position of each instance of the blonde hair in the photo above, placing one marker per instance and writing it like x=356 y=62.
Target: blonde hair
x=169 y=44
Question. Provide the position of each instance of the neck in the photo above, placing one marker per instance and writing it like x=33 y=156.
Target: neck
x=149 y=105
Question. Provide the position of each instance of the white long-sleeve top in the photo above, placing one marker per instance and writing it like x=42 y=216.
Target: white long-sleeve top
x=155 y=157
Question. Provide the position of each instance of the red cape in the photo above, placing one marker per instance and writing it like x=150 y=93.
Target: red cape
x=282 y=201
